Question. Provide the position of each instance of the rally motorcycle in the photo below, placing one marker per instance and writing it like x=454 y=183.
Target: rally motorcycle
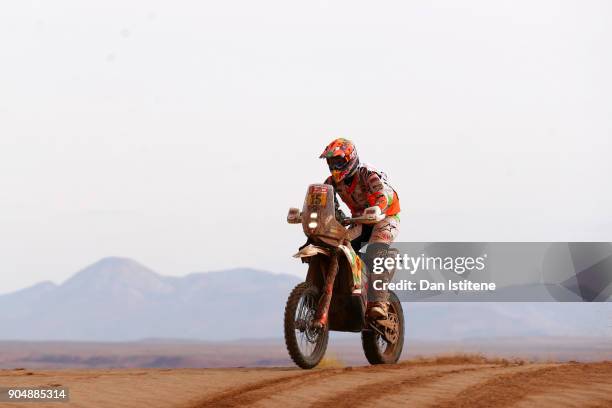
x=334 y=295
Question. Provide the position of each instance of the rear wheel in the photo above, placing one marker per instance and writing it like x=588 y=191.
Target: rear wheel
x=306 y=344
x=376 y=348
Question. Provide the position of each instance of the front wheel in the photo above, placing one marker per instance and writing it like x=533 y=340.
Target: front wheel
x=376 y=348
x=305 y=343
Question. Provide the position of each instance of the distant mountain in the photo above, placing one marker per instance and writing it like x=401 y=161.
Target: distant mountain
x=118 y=299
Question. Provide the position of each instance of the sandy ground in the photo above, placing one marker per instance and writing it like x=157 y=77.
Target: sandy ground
x=443 y=382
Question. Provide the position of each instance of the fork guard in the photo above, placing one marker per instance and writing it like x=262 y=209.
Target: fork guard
x=328 y=288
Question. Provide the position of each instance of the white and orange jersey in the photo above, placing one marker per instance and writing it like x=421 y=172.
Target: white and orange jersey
x=367 y=187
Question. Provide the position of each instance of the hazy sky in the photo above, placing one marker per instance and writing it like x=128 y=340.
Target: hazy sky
x=178 y=133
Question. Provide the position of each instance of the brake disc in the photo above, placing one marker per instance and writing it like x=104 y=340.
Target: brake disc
x=391 y=329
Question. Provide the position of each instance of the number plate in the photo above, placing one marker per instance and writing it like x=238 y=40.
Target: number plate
x=317 y=196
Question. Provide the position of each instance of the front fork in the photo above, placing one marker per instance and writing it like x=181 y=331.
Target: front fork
x=328 y=287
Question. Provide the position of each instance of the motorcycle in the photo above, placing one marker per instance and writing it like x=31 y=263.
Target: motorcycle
x=334 y=295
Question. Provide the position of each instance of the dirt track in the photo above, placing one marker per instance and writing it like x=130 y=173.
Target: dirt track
x=446 y=383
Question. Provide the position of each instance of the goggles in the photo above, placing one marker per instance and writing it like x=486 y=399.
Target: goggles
x=336 y=163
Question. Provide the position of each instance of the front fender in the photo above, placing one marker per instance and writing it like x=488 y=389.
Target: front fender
x=311 y=250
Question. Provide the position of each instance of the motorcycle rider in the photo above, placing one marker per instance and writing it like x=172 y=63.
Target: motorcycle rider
x=361 y=187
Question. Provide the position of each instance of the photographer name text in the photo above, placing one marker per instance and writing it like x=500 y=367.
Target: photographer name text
x=426 y=285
